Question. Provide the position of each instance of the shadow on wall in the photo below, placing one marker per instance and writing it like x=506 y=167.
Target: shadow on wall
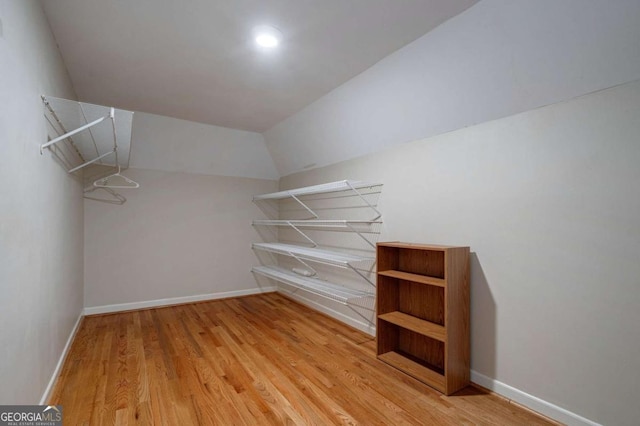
x=483 y=321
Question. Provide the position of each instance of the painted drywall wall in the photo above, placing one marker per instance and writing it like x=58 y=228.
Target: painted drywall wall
x=41 y=218
x=170 y=144
x=549 y=202
x=179 y=235
x=495 y=59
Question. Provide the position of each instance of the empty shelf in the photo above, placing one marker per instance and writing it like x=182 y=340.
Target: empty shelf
x=318 y=223
x=313 y=254
x=343 y=185
x=414 y=369
x=313 y=285
x=417 y=325
x=422 y=279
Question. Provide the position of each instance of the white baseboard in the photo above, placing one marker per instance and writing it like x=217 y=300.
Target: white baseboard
x=365 y=327
x=533 y=402
x=106 y=309
x=47 y=392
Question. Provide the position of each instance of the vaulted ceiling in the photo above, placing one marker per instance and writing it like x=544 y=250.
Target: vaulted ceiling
x=196 y=60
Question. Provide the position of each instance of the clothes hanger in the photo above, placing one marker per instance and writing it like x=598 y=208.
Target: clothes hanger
x=116 y=180
x=115 y=197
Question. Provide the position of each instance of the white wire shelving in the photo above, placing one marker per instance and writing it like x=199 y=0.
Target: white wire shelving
x=85 y=134
x=350 y=198
x=316 y=286
x=324 y=223
x=328 y=257
x=359 y=227
x=340 y=186
x=323 y=256
x=81 y=135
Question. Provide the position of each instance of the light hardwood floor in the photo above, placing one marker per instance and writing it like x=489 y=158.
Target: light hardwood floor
x=253 y=360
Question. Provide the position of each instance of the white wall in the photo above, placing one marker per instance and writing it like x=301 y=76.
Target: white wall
x=549 y=207
x=496 y=59
x=170 y=144
x=41 y=218
x=549 y=202
x=186 y=232
x=178 y=235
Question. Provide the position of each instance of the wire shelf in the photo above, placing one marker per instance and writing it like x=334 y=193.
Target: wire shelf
x=316 y=286
x=343 y=185
x=314 y=254
x=319 y=223
x=81 y=134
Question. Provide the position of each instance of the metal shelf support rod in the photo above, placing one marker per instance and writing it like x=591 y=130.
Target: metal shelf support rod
x=315 y=216
x=91 y=161
x=303 y=234
x=71 y=133
x=365 y=200
x=360 y=235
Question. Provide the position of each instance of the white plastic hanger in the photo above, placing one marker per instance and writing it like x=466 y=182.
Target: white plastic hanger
x=116 y=180
x=114 y=198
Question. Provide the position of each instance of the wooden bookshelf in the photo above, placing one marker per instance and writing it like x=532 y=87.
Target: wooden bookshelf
x=423 y=312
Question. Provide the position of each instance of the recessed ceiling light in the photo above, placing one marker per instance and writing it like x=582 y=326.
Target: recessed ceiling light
x=267 y=36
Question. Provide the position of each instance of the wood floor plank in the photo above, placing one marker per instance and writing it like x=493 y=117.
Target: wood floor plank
x=254 y=360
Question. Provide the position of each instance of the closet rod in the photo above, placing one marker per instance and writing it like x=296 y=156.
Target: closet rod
x=78 y=130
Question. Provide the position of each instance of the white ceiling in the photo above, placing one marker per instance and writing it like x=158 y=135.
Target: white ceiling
x=196 y=60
